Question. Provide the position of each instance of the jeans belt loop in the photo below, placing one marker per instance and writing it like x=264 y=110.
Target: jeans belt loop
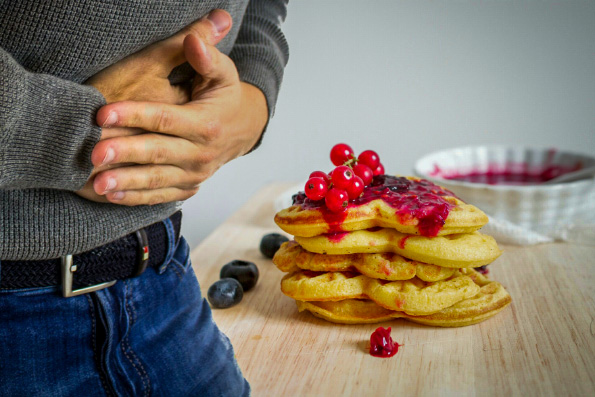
x=142 y=252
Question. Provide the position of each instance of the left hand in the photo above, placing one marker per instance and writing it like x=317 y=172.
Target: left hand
x=184 y=144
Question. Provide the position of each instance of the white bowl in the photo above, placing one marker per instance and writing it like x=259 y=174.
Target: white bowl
x=544 y=209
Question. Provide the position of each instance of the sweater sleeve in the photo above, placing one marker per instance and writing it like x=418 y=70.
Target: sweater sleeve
x=47 y=129
x=260 y=51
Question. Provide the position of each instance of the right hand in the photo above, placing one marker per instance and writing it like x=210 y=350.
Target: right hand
x=143 y=76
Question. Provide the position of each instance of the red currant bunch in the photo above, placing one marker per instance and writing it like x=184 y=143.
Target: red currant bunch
x=347 y=181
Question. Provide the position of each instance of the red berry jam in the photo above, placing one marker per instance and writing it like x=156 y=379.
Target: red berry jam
x=381 y=344
x=336 y=237
x=421 y=200
x=509 y=174
x=403 y=241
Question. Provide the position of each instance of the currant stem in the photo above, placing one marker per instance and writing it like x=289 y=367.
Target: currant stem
x=351 y=162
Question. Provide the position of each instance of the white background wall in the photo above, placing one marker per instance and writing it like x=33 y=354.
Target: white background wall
x=406 y=78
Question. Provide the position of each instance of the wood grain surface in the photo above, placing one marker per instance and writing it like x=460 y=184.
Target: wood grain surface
x=543 y=344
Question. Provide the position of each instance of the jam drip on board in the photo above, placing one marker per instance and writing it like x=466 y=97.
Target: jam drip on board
x=421 y=200
x=381 y=343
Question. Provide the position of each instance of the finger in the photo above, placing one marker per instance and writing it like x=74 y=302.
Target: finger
x=107 y=133
x=106 y=167
x=187 y=121
x=198 y=55
x=207 y=61
x=144 y=177
x=150 y=197
x=212 y=29
x=149 y=148
x=88 y=193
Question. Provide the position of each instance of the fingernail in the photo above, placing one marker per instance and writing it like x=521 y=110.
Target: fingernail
x=109 y=156
x=118 y=196
x=110 y=185
x=112 y=118
x=220 y=20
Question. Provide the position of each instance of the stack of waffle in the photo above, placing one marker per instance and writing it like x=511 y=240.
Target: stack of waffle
x=405 y=249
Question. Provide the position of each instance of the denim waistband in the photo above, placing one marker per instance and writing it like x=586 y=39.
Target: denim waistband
x=120 y=259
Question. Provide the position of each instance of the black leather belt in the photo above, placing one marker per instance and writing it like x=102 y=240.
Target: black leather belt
x=98 y=268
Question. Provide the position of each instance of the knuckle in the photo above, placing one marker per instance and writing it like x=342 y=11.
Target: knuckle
x=201 y=29
x=159 y=154
x=136 y=116
x=163 y=120
x=212 y=131
x=205 y=157
x=156 y=180
x=156 y=198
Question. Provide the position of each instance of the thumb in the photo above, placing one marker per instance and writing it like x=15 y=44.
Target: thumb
x=212 y=29
x=208 y=62
x=198 y=55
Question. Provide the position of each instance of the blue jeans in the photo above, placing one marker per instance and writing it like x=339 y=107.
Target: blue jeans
x=149 y=335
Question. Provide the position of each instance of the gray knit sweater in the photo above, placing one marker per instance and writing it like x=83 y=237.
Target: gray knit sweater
x=48 y=49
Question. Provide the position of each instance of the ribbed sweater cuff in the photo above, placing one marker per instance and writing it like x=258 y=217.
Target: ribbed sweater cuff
x=260 y=71
x=52 y=132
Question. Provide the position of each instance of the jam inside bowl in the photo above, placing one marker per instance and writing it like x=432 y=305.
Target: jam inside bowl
x=508 y=184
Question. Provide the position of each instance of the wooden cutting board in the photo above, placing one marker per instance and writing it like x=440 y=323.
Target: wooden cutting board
x=543 y=344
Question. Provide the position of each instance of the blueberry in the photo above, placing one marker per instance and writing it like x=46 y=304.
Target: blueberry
x=243 y=271
x=270 y=244
x=483 y=269
x=225 y=293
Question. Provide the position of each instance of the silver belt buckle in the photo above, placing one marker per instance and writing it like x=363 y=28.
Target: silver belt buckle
x=68 y=268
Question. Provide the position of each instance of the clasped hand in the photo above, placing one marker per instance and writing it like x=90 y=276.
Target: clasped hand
x=159 y=141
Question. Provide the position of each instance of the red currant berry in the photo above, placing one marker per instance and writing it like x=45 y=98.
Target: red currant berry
x=379 y=170
x=316 y=188
x=321 y=174
x=369 y=158
x=336 y=200
x=342 y=176
x=340 y=153
x=356 y=188
x=364 y=172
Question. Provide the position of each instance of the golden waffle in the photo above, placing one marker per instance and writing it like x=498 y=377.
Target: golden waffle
x=414 y=297
x=387 y=266
x=490 y=300
x=454 y=250
x=464 y=218
x=411 y=205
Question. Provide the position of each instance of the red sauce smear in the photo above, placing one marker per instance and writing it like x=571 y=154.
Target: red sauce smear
x=400 y=303
x=509 y=174
x=421 y=200
x=403 y=241
x=381 y=343
x=336 y=237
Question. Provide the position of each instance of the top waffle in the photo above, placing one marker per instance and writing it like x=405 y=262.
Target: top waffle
x=409 y=205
